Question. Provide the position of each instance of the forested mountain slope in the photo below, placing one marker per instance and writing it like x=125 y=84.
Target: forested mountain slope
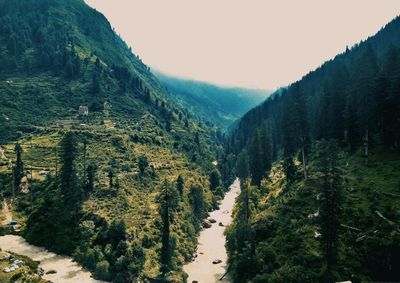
x=221 y=106
x=319 y=164
x=58 y=55
x=361 y=77
x=115 y=186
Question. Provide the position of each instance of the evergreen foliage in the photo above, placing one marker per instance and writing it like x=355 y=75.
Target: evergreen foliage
x=323 y=135
x=18 y=169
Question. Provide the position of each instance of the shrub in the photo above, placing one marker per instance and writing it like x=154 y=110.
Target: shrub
x=102 y=271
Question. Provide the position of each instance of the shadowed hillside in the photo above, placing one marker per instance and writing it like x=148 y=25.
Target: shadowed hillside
x=221 y=106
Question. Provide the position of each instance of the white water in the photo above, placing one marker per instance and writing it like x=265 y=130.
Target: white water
x=67 y=270
x=211 y=244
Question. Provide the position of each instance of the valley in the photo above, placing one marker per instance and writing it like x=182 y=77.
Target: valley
x=112 y=172
x=222 y=106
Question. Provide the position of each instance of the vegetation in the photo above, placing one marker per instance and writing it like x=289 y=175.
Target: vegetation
x=94 y=181
x=26 y=273
x=18 y=169
x=102 y=164
x=221 y=106
x=332 y=140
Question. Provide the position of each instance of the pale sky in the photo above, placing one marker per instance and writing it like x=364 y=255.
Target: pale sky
x=249 y=43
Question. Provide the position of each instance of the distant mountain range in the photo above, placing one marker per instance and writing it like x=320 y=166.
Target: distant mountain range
x=219 y=105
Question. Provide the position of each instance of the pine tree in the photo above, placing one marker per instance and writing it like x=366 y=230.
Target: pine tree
x=295 y=125
x=197 y=138
x=70 y=201
x=70 y=190
x=330 y=211
x=196 y=199
x=18 y=169
x=169 y=202
x=215 y=179
x=288 y=125
x=364 y=74
x=301 y=124
x=244 y=229
x=336 y=103
x=242 y=165
x=289 y=168
x=110 y=177
x=90 y=177
x=180 y=184
x=388 y=92
x=244 y=236
x=96 y=92
x=143 y=164
x=256 y=162
x=266 y=145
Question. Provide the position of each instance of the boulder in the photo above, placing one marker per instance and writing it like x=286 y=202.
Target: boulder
x=206 y=224
x=217 y=261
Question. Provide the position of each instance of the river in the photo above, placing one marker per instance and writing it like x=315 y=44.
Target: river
x=67 y=270
x=211 y=244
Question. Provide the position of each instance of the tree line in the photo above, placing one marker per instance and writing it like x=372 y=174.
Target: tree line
x=350 y=105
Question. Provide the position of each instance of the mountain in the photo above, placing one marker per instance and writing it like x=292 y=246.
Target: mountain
x=93 y=150
x=218 y=105
x=319 y=163
x=63 y=57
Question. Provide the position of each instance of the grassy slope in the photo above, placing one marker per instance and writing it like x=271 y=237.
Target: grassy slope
x=135 y=201
x=32 y=103
x=285 y=224
x=43 y=94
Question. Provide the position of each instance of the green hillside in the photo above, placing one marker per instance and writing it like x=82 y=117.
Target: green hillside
x=60 y=55
x=99 y=183
x=319 y=163
x=221 y=106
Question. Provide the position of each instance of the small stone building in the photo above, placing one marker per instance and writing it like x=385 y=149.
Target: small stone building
x=83 y=110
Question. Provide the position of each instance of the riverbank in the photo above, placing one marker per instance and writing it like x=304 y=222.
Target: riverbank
x=67 y=271
x=211 y=244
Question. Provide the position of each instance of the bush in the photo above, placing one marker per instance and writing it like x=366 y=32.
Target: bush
x=102 y=271
x=15 y=277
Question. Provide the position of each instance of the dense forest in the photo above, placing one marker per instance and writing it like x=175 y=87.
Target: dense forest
x=319 y=163
x=98 y=161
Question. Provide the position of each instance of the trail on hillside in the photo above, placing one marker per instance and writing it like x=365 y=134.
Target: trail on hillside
x=2 y=154
x=7 y=213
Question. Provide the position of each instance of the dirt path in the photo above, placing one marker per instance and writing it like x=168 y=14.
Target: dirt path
x=67 y=270
x=211 y=244
x=7 y=214
x=2 y=155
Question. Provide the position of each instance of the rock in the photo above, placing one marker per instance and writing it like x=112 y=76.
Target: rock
x=220 y=224
x=206 y=224
x=317 y=235
x=211 y=220
x=217 y=261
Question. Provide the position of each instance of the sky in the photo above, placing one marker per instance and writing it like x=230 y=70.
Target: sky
x=248 y=43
